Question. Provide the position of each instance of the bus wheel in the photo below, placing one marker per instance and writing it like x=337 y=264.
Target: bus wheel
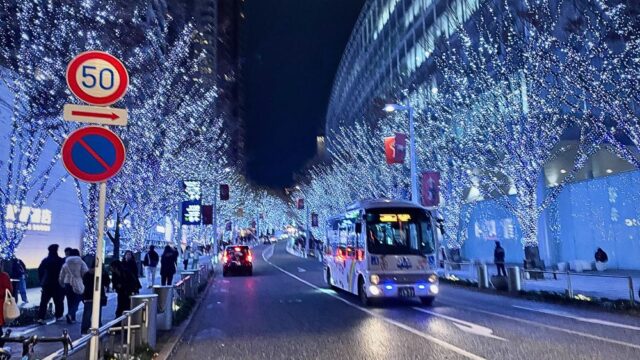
x=427 y=300
x=362 y=292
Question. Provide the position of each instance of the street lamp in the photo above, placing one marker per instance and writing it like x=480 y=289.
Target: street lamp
x=414 y=175
x=215 y=211
x=308 y=231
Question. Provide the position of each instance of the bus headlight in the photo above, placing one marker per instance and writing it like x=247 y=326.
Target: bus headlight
x=374 y=290
x=375 y=279
x=433 y=278
x=433 y=288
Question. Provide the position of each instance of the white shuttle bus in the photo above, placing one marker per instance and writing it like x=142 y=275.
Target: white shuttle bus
x=382 y=249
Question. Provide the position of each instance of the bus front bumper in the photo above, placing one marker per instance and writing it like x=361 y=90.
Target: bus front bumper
x=403 y=290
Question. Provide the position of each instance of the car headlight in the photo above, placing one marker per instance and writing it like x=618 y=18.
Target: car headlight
x=433 y=278
x=375 y=279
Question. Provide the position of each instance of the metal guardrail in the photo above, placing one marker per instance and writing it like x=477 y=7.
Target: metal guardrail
x=570 y=288
x=126 y=330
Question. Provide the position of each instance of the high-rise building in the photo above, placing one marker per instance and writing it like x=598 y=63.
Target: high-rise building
x=218 y=25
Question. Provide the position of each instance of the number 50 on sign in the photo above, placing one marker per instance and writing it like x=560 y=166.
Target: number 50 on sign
x=97 y=78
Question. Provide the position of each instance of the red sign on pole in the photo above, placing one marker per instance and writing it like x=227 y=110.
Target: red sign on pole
x=430 y=188
x=389 y=149
x=400 y=147
x=300 y=204
x=93 y=154
x=97 y=78
x=224 y=192
x=314 y=219
x=207 y=214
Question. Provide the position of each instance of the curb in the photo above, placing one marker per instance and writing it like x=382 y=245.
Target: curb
x=176 y=336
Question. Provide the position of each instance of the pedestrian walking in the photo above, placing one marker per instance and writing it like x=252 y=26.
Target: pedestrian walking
x=125 y=284
x=5 y=285
x=498 y=259
x=70 y=278
x=19 y=272
x=150 y=262
x=131 y=266
x=87 y=296
x=186 y=257
x=168 y=266
x=49 y=274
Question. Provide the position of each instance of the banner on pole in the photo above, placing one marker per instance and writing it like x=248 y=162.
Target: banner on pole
x=224 y=192
x=314 y=219
x=300 y=204
x=191 y=208
x=207 y=214
x=430 y=188
x=400 y=147
x=389 y=149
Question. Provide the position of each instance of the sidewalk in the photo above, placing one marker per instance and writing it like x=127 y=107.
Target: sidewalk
x=54 y=329
x=610 y=284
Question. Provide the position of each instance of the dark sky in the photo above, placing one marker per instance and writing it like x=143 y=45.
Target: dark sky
x=292 y=49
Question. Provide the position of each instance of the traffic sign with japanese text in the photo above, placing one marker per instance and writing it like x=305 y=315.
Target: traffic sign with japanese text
x=93 y=154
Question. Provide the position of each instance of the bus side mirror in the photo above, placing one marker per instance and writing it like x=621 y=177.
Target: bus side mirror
x=358 y=228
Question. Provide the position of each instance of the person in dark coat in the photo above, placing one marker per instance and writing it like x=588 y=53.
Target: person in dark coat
x=48 y=273
x=151 y=260
x=131 y=266
x=125 y=284
x=601 y=256
x=168 y=265
x=87 y=297
x=19 y=272
x=498 y=259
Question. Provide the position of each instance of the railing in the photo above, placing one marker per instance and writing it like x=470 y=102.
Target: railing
x=29 y=343
x=570 y=278
x=126 y=329
x=465 y=269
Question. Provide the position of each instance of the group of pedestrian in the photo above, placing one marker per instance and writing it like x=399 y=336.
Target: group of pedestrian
x=73 y=277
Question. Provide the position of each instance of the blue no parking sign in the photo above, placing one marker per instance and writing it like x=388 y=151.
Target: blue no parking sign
x=93 y=154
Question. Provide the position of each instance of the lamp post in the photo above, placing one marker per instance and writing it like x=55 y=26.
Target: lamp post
x=412 y=143
x=308 y=231
x=215 y=212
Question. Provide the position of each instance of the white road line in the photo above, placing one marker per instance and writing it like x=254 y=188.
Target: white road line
x=385 y=319
x=556 y=328
x=301 y=270
x=580 y=318
x=463 y=325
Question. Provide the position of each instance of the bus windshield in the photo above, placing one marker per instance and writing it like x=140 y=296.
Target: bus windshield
x=399 y=231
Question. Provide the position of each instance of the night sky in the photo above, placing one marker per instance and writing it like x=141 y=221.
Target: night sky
x=292 y=49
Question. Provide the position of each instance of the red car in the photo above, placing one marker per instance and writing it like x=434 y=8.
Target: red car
x=237 y=258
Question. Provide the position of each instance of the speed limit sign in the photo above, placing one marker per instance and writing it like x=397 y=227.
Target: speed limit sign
x=97 y=78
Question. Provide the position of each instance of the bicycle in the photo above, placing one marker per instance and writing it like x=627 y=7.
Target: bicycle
x=29 y=343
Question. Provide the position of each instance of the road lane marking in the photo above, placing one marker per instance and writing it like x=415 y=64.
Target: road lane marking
x=301 y=270
x=556 y=328
x=380 y=317
x=465 y=326
x=580 y=318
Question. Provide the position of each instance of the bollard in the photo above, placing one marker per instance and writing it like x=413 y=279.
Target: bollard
x=146 y=319
x=483 y=277
x=188 y=284
x=165 y=306
x=514 y=279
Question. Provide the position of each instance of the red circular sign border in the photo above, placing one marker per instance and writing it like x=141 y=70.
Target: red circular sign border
x=71 y=167
x=81 y=94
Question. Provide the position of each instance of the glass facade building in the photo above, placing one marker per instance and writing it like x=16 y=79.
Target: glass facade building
x=390 y=53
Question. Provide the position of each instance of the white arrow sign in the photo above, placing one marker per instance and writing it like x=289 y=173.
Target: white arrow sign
x=95 y=114
x=465 y=326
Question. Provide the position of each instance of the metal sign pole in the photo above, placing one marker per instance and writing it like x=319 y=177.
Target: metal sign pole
x=97 y=276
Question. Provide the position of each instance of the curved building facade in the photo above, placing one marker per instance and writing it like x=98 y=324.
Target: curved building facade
x=389 y=51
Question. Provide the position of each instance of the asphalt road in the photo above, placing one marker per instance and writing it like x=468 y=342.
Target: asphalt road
x=285 y=311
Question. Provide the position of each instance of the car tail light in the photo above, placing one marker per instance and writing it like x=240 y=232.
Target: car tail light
x=359 y=254
x=237 y=248
x=225 y=258
x=249 y=257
